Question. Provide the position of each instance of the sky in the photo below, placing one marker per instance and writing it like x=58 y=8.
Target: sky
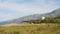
x=12 y=9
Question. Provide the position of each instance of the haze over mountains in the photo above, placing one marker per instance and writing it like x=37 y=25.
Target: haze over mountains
x=54 y=13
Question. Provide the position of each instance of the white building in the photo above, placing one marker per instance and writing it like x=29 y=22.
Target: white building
x=43 y=18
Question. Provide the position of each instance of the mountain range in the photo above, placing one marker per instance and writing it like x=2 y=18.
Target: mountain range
x=53 y=14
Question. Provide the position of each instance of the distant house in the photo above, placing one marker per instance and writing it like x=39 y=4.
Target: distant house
x=31 y=23
x=43 y=18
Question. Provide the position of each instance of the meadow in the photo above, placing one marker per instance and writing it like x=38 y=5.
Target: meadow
x=31 y=29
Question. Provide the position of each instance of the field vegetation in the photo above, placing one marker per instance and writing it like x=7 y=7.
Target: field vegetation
x=31 y=29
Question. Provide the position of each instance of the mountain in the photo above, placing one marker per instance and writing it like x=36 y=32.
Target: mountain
x=54 y=13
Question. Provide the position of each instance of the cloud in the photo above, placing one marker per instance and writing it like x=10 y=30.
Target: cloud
x=4 y=17
x=29 y=8
x=24 y=8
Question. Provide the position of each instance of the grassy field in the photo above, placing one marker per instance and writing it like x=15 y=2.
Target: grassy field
x=31 y=29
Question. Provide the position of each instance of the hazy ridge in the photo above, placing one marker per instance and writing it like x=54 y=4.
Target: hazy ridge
x=54 y=13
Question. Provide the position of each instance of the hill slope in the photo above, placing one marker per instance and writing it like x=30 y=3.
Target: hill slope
x=53 y=14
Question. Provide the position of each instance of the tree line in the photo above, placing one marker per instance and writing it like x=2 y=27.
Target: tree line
x=46 y=20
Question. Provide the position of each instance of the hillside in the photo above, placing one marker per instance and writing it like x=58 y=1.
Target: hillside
x=55 y=13
x=46 y=20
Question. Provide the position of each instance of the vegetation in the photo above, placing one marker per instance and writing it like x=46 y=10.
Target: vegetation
x=31 y=29
x=46 y=20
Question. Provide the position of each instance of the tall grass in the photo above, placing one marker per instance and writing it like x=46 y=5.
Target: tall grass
x=31 y=29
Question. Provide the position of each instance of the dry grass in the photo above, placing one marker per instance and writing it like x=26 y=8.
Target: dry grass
x=31 y=29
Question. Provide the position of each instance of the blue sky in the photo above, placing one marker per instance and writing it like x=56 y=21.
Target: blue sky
x=11 y=9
